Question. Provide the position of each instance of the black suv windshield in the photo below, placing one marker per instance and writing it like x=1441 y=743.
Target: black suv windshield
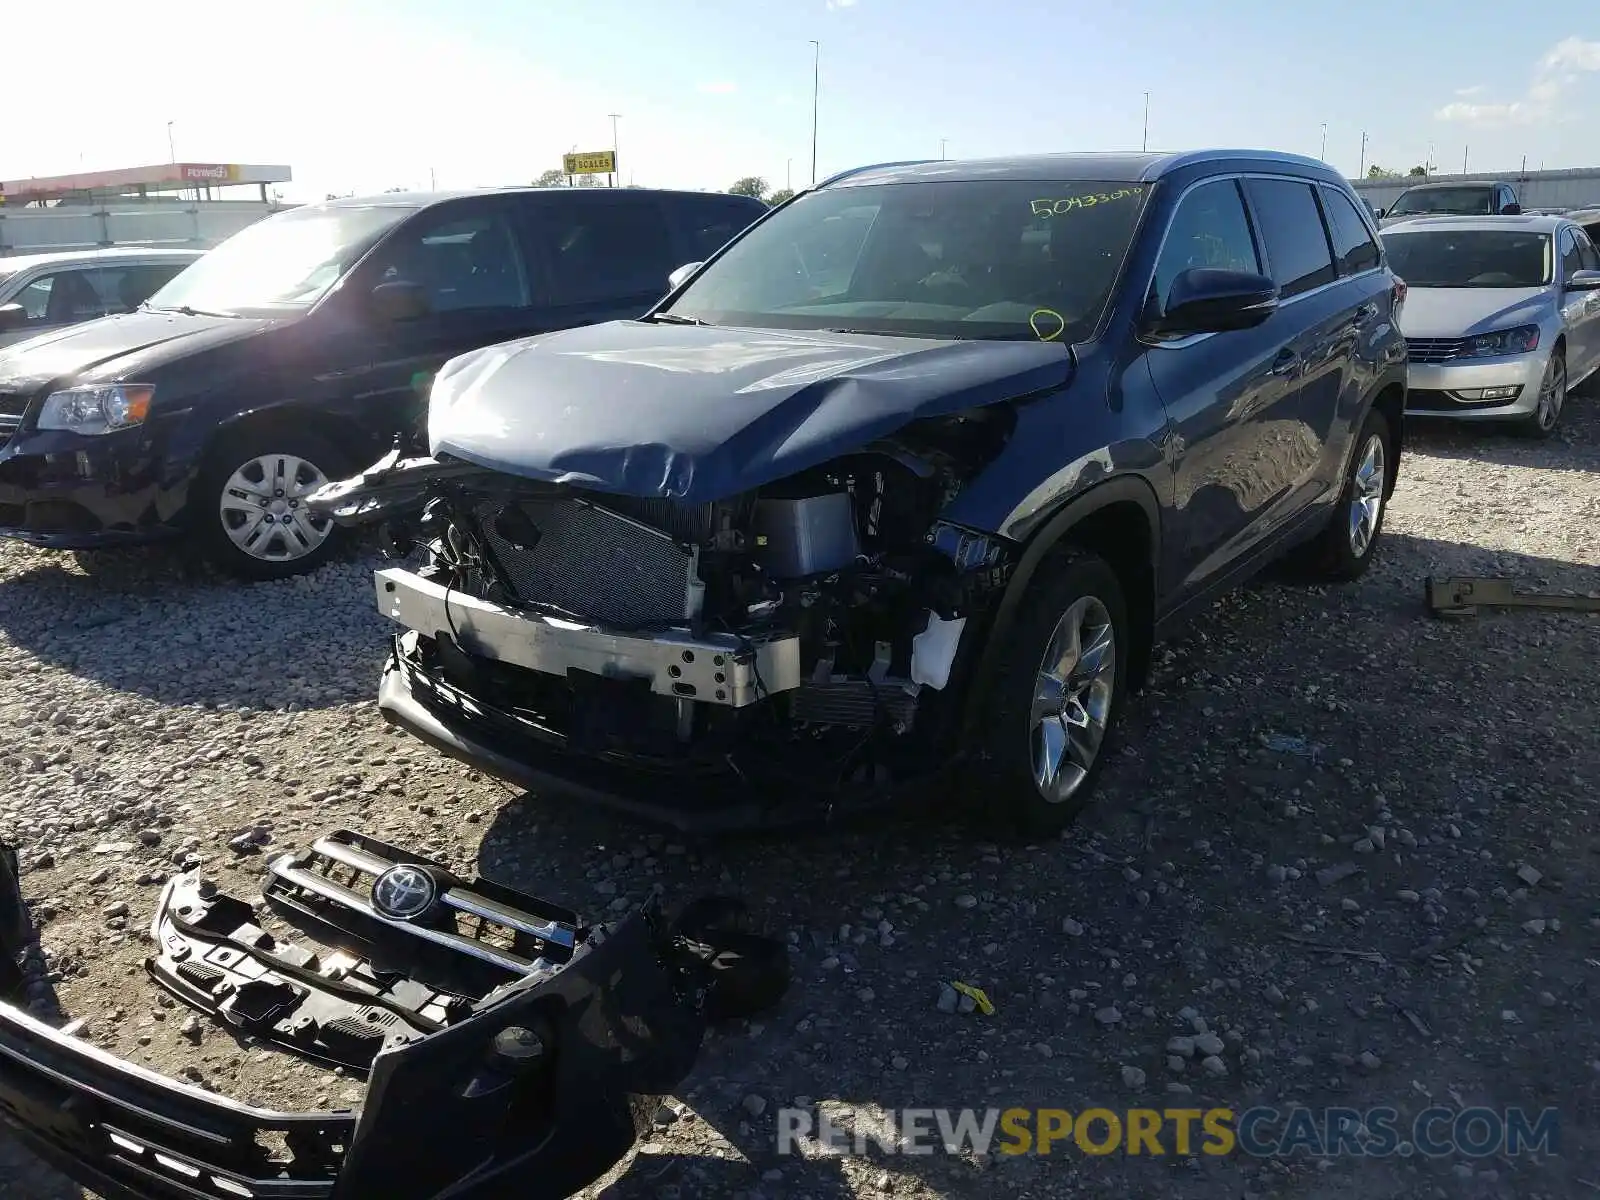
x=1470 y=258
x=1461 y=201
x=987 y=259
x=282 y=264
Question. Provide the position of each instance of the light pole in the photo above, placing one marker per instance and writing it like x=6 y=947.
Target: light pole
x=1323 y=154
x=616 y=156
x=942 y=143
x=172 y=154
x=788 y=175
x=1362 y=169
x=816 y=89
x=1464 y=150
x=1144 y=142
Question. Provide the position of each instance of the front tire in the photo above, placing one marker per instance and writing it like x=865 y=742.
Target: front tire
x=248 y=506
x=1058 y=693
x=1343 y=551
x=1546 y=415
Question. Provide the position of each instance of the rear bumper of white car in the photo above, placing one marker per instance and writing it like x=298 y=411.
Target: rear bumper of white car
x=1457 y=389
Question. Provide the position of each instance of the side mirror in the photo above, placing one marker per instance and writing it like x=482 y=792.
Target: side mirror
x=1378 y=212
x=675 y=280
x=1584 y=281
x=1511 y=210
x=12 y=316
x=400 y=300
x=1208 y=300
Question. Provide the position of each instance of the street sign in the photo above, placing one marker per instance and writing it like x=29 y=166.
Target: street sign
x=600 y=162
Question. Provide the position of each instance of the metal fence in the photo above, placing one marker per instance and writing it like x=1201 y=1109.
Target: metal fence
x=90 y=226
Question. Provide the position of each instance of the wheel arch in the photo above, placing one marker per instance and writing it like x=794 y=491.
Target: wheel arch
x=1120 y=521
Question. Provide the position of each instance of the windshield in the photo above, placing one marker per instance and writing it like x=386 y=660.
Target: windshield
x=1467 y=258
x=281 y=264
x=1461 y=201
x=988 y=259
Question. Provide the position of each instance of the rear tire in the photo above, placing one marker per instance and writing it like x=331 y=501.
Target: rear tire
x=1058 y=693
x=1344 y=549
x=247 y=507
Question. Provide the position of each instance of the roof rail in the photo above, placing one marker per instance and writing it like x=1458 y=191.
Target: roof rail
x=831 y=179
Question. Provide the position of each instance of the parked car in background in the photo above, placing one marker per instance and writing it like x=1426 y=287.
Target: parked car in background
x=911 y=473
x=41 y=292
x=1455 y=198
x=298 y=348
x=1502 y=318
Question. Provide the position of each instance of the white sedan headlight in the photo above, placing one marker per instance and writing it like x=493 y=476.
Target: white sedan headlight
x=100 y=409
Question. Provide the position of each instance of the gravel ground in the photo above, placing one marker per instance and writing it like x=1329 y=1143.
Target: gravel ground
x=1314 y=769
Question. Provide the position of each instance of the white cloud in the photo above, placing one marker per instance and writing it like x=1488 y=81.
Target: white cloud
x=1474 y=90
x=1557 y=71
x=717 y=88
x=833 y=5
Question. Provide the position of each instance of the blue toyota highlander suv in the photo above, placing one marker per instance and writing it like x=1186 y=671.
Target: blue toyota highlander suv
x=908 y=475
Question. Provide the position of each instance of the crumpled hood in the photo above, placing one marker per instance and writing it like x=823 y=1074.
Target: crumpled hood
x=142 y=338
x=703 y=412
x=1462 y=312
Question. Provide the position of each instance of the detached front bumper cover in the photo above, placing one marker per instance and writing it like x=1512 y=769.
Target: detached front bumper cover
x=508 y=1049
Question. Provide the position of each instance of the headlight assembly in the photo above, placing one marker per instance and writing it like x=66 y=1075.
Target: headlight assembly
x=96 y=409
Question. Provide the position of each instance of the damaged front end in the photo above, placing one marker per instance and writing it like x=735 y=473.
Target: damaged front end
x=760 y=658
x=509 y=1049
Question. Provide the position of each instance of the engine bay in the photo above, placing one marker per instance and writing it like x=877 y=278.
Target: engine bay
x=848 y=559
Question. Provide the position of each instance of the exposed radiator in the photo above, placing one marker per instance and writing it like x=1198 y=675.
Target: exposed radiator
x=595 y=564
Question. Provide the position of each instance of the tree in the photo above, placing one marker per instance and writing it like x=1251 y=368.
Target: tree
x=750 y=185
x=1418 y=171
x=779 y=196
x=1377 y=172
x=554 y=177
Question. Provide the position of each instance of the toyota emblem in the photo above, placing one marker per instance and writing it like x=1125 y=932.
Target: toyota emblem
x=404 y=892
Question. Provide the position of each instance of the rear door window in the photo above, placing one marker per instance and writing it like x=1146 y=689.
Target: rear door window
x=603 y=248
x=1210 y=229
x=1353 y=246
x=1291 y=226
x=61 y=298
x=124 y=288
x=710 y=224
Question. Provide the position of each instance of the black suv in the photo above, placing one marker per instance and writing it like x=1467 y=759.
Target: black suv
x=909 y=474
x=296 y=350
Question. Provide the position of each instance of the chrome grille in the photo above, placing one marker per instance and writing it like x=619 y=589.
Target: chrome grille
x=594 y=564
x=1433 y=350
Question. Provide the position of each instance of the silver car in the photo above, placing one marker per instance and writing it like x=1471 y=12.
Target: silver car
x=1501 y=316
x=42 y=292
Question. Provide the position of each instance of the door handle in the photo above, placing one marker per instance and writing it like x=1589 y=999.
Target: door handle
x=1286 y=362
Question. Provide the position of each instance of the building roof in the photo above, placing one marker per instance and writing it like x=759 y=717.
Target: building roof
x=165 y=177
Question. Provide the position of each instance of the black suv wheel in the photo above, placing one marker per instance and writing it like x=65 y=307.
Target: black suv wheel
x=248 y=505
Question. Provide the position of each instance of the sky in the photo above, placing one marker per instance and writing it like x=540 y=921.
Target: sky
x=363 y=95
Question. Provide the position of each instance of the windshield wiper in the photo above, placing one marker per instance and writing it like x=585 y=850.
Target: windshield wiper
x=189 y=311
x=675 y=319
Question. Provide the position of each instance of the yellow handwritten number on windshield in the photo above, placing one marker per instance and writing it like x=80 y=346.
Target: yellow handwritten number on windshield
x=1047 y=324
x=1056 y=208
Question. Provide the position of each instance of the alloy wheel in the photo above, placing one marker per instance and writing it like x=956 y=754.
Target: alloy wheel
x=263 y=511
x=1072 y=697
x=1366 y=495
x=1552 y=394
